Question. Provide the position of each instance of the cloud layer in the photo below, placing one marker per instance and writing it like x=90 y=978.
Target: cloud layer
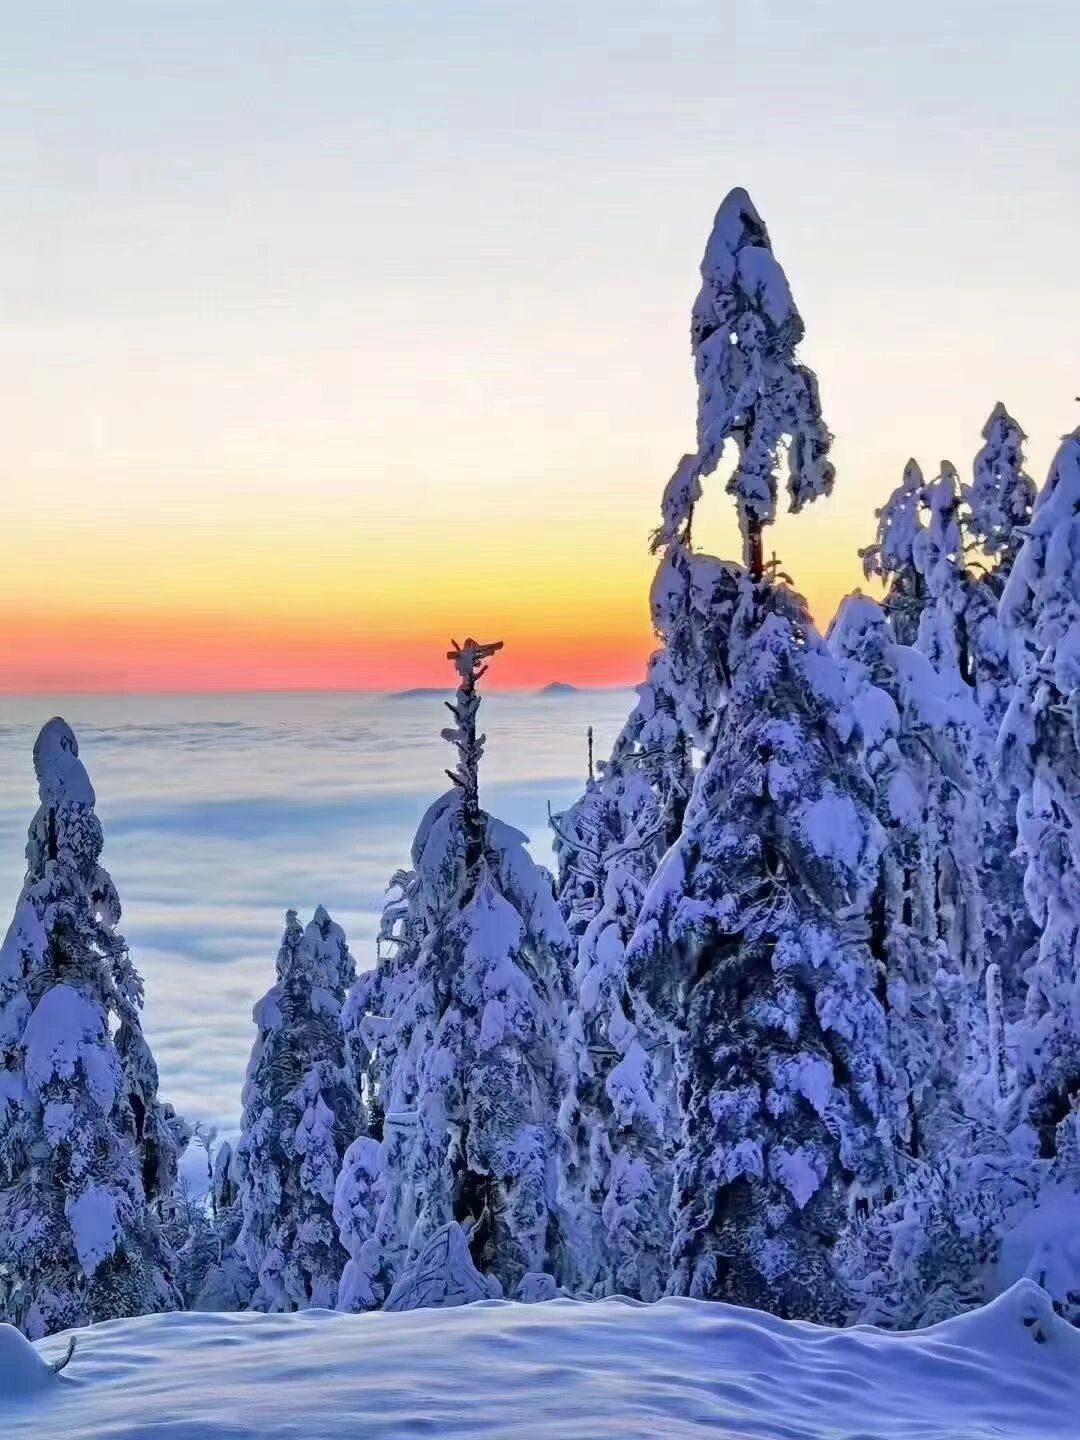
x=221 y=812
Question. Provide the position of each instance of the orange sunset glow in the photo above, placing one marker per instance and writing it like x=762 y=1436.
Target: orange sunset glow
x=155 y=654
x=320 y=602
x=300 y=384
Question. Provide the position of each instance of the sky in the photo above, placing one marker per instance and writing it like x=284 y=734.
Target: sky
x=332 y=331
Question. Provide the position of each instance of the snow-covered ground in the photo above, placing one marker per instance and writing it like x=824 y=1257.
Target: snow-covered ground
x=564 y=1369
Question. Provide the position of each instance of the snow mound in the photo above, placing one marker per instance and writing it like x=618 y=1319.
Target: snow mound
x=443 y=1276
x=677 y=1369
x=23 y=1371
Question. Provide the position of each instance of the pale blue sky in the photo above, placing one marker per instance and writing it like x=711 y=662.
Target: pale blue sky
x=322 y=266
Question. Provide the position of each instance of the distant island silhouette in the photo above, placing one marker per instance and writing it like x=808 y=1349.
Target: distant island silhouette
x=553 y=691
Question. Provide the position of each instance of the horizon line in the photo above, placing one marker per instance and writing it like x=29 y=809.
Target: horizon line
x=571 y=687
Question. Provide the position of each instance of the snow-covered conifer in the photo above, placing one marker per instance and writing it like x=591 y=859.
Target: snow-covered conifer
x=924 y=1257
x=300 y=1114
x=946 y=897
x=744 y=331
x=1002 y=494
x=692 y=599
x=469 y=1042
x=389 y=1019
x=752 y=945
x=86 y=1147
x=1041 y=759
x=581 y=835
x=618 y=1113
x=358 y=1196
x=939 y=558
x=903 y=767
x=891 y=558
x=999 y=502
x=213 y=1274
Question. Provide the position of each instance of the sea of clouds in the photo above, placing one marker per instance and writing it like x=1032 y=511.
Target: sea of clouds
x=221 y=812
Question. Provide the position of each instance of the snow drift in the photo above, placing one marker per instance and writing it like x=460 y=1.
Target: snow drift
x=566 y=1369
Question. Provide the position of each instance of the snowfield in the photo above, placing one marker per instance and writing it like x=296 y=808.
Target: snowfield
x=565 y=1369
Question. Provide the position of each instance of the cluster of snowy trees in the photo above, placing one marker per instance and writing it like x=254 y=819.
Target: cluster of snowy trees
x=795 y=1025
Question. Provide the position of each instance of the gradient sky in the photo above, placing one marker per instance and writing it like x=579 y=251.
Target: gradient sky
x=331 y=330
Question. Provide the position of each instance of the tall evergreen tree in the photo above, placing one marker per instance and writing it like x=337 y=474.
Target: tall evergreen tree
x=947 y=892
x=751 y=948
x=616 y=1114
x=999 y=504
x=617 y=1117
x=634 y=801
x=86 y=1147
x=753 y=945
x=752 y=391
x=389 y=1019
x=579 y=835
x=939 y=557
x=940 y=605
x=892 y=556
x=486 y=972
x=1002 y=494
x=904 y=759
x=300 y=1114
x=1040 y=752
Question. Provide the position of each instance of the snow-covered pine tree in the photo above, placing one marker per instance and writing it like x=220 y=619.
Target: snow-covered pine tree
x=925 y=1256
x=213 y=1274
x=389 y=1019
x=86 y=1147
x=1001 y=495
x=754 y=393
x=470 y=1043
x=358 y=1213
x=999 y=506
x=962 y=637
x=754 y=945
x=999 y=503
x=891 y=557
x=937 y=603
x=692 y=599
x=633 y=803
x=946 y=902
x=939 y=558
x=751 y=947
x=752 y=390
x=1040 y=754
x=301 y=1112
x=902 y=757
x=581 y=834
x=617 y=1117
x=650 y=770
